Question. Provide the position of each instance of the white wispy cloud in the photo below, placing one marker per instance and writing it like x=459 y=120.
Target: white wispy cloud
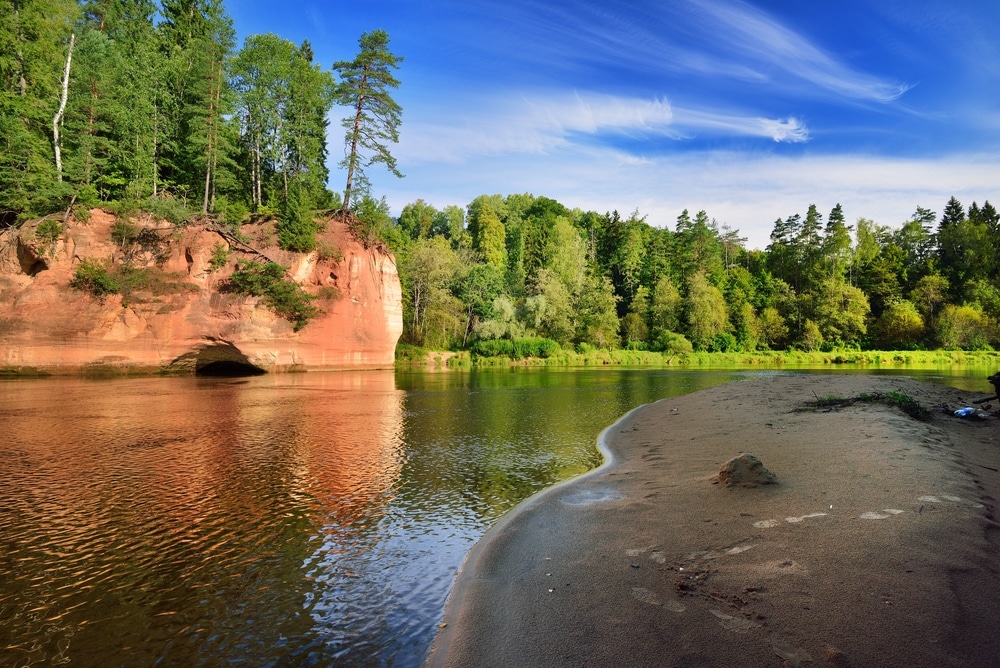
x=755 y=35
x=710 y=39
x=531 y=125
x=746 y=190
x=788 y=129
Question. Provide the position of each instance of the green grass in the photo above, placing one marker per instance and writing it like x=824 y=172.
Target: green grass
x=904 y=402
x=590 y=357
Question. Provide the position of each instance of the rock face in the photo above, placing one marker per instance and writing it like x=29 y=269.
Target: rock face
x=181 y=315
x=746 y=471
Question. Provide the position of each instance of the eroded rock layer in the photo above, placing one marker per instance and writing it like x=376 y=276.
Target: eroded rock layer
x=182 y=315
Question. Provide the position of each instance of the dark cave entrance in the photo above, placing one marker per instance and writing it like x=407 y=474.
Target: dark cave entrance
x=225 y=360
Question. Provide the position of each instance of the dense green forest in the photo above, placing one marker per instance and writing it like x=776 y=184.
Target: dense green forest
x=525 y=266
x=135 y=104
x=139 y=104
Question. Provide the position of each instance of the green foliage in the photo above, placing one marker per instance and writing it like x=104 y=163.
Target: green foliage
x=672 y=343
x=328 y=253
x=49 y=231
x=904 y=402
x=724 y=342
x=220 y=256
x=93 y=276
x=373 y=125
x=283 y=296
x=900 y=327
x=370 y=223
x=296 y=227
x=516 y=348
x=705 y=311
x=965 y=328
x=170 y=209
x=124 y=233
x=233 y=212
x=102 y=279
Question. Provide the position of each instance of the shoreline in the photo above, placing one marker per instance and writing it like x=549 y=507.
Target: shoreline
x=877 y=547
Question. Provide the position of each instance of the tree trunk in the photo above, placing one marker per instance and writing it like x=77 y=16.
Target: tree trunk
x=57 y=119
x=213 y=137
x=353 y=156
x=352 y=159
x=156 y=129
x=22 y=80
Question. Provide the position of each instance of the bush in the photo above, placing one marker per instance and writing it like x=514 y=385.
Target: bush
x=723 y=342
x=124 y=233
x=169 y=208
x=220 y=256
x=49 y=231
x=296 y=227
x=92 y=276
x=284 y=297
x=516 y=348
x=232 y=212
x=672 y=342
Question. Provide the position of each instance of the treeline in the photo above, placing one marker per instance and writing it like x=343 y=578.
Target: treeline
x=521 y=267
x=135 y=104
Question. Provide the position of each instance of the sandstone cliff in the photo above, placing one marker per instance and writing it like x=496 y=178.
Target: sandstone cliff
x=183 y=315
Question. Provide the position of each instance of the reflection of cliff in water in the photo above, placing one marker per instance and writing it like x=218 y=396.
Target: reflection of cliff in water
x=185 y=518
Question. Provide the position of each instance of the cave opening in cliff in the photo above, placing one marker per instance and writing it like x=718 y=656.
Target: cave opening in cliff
x=225 y=360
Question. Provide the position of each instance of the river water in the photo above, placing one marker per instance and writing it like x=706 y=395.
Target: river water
x=305 y=519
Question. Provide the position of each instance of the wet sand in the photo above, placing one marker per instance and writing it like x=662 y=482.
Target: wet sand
x=877 y=547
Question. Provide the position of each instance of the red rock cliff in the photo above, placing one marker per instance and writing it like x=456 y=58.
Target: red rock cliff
x=182 y=314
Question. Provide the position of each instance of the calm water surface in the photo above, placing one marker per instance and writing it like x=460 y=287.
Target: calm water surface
x=314 y=519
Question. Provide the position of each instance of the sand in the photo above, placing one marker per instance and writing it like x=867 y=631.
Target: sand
x=877 y=547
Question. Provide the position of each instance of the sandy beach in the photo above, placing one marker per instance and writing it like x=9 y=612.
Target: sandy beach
x=878 y=545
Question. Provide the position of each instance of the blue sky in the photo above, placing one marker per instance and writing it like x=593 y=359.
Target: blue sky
x=750 y=110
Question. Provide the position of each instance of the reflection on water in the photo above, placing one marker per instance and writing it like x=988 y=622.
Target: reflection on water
x=298 y=519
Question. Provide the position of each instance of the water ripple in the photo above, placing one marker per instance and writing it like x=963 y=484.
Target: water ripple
x=315 y=519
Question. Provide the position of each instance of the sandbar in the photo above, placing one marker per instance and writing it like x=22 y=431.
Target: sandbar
x=877 y=547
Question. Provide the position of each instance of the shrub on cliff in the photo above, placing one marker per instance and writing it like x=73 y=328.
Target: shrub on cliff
x=93 y=276
x=296 y=227
x=283 y=296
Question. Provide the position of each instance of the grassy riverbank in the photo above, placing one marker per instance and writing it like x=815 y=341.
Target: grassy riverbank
x=409 y=356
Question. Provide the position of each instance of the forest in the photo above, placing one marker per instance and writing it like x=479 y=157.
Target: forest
x=138 y=105
x=525 y=266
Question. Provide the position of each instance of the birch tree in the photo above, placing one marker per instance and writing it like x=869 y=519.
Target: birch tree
x=57 y=119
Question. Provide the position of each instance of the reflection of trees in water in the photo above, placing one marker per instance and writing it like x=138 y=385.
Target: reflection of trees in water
x=180 y=518
x=281 y=518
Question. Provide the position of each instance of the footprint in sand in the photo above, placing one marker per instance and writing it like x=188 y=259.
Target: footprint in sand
x=889 y=512
x=948 y=497
x=880 y=515
x=796 y=520
x=793 y=656
x=770 y=524
x=646 y=596
x=737 y=624
x=654 y=554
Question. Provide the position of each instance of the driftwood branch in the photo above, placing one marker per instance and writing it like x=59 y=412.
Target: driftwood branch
x=995 y=382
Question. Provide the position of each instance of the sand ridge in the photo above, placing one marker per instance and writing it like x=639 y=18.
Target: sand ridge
x=877 y=547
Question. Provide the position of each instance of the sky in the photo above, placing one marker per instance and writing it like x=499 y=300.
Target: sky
x=750 y=110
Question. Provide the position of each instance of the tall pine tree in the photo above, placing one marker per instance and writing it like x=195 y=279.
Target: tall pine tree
x=374 y=122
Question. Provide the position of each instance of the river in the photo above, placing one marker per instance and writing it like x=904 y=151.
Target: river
x=299 y=519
